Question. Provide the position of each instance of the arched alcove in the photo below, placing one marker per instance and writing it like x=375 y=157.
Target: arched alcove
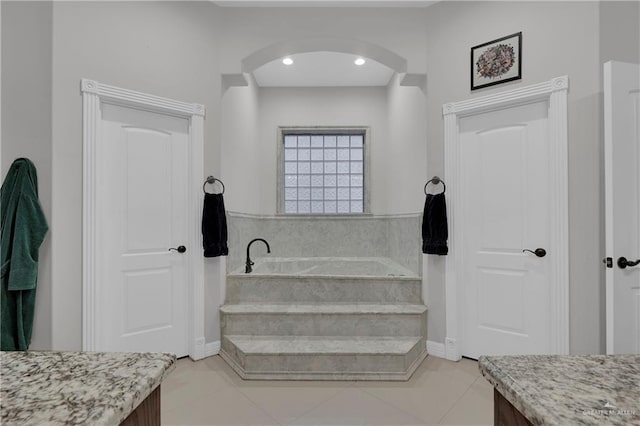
x=356 y=47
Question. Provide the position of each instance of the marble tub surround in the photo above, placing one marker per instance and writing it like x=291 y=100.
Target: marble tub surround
x=323 y=358
x=564 y=390
x=327 y=320
x=396 y=237
x=77 y=388
x=323 y=319
x=257 y=288
x=338 y=298
x=375 y=267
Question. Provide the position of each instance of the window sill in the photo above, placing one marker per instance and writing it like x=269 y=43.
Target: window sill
x=324 y=215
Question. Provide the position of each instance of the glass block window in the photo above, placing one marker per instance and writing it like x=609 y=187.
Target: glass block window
x=323 y=173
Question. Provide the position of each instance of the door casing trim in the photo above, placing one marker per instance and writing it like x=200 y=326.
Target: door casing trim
x=94 y=95
x=555 y=92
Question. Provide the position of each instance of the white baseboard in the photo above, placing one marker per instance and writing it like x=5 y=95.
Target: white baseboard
x=451 y=349
x=197 y=351
x=436 y=349
x=212 y=348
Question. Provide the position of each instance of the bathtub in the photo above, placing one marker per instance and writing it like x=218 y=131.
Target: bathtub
x=328 y=267
x=333 y=280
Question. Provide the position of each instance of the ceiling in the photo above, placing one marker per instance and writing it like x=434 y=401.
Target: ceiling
x=322 y=69
x=323 y=3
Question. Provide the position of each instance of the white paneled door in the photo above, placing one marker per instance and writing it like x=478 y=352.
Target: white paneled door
x=622 y=186
x=143 y=185
x=506 y=213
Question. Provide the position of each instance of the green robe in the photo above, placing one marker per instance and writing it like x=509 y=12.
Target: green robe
x=23 y=229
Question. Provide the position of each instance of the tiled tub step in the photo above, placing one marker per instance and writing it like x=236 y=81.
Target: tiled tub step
x=324 y=320
x=274 y=289
x=325 y=308
x=323 y=358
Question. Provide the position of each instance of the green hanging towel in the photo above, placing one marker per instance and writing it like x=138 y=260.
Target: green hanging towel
x=23 y=229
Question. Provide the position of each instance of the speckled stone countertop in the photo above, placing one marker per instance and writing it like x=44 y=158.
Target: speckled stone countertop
x=76 y=388
x=569 y=390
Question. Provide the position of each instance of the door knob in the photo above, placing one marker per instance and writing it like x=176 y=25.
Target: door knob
x=623 y=262
x=540 y=252
x=180 y=249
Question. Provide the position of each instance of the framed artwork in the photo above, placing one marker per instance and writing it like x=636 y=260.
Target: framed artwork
x=496 y=61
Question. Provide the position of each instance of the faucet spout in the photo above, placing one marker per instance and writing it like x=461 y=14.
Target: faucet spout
x=249 y=263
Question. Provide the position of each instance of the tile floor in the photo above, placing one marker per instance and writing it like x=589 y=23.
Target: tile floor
x=440 y=392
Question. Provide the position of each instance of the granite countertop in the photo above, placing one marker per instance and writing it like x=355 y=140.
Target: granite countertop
x=569 y=390
x=76 y=388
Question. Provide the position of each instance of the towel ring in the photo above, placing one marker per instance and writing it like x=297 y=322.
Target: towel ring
x=435 y=180
x=211 y=179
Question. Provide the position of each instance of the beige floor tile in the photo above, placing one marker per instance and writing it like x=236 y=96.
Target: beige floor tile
x=184 y=385
x=209 y=392
x=220 y=366
x=475 y=407
x=189 y=364
x=414 y=382
x=285 y=401
x=484 y=384
x=217 y=363
x=227 y=407
x=212 y=363
x=429 y=397
x=352 y=406
x=312 y=384
x=465 y=370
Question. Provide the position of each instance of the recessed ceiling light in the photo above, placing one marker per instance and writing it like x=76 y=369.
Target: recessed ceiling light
x=287 y=61
x=359 y=61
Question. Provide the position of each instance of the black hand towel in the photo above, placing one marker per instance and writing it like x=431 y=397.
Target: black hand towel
x=434 y=225
x=214 y=226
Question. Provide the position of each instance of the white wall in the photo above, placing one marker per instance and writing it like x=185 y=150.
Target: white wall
x=252 y=116
x=247 y=30
x=163 y=48
x=397 y=143
x=171 y=49
x=558 y=38
x=241 y=162
x=177 y=49
x=402 y=161
x=620 y=31
x=26 y=118
x=345 y=106
x=1 y=158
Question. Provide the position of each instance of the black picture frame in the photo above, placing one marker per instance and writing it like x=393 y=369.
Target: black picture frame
x=497 y=61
